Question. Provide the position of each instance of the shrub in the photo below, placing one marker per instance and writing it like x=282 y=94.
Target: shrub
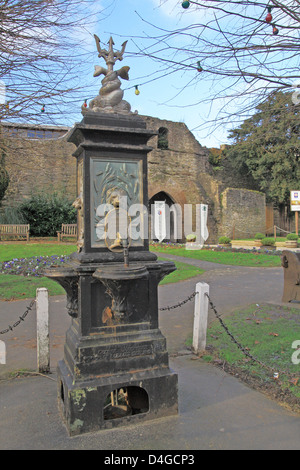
x=259 y=236
x=224 y=240
x=268 y=241
x=46 y=213
x=11 y=215
x=292 y=236
x=191 y=237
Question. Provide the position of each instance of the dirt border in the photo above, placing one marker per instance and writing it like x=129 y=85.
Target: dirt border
x=272 y=389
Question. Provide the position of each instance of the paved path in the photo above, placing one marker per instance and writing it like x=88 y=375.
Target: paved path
x=230 y=287
x=216 y=411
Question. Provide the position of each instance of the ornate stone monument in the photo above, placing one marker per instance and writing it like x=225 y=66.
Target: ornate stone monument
x=115 y=368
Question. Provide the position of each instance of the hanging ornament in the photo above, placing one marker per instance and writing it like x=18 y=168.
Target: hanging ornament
x=275 y=30
x=137 y=91
x=199 y=68
x=85 y=104
x=269 y=16
x=185 y=4
x=43 y=108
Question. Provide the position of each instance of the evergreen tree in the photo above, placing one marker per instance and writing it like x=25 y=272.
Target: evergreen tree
x=266 y=147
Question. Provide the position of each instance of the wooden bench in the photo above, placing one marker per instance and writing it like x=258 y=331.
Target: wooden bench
x=67 y=230
x=14 y=230
x=290 y=261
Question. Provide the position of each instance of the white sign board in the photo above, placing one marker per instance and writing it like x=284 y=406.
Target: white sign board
x=295 y=200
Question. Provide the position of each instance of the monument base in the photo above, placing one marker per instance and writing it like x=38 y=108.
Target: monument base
x=116 y=400
x=115 y=368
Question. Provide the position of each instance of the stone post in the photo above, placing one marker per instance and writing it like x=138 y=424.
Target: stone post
x=42 y=327
x=200 y=317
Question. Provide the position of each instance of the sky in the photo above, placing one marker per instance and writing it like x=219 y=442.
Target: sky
x=183 y=95
x=163 y=94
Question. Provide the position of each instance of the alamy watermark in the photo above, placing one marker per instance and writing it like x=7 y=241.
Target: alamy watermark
x=296 y=93
x=2 y=92
x=2 y=352
x=167 y=222
x=296 y=354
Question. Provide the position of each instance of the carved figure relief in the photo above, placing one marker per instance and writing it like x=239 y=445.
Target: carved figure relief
x=116 y=187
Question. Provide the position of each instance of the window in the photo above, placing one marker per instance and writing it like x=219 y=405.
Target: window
x=162 y=142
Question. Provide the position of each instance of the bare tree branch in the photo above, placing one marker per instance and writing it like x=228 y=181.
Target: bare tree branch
x=243 y=55
x=42 y=56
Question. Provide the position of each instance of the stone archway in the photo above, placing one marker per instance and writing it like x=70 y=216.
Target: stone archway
x=171 y=213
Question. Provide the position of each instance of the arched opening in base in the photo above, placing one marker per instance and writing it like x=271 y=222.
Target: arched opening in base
x=126 y=401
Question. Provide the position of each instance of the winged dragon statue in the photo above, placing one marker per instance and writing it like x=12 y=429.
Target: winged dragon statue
x=110 y=98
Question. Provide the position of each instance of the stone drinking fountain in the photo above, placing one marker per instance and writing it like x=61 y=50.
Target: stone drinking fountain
x=115 y=368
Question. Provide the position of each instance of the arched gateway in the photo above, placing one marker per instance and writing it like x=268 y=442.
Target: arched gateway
x=165 y=221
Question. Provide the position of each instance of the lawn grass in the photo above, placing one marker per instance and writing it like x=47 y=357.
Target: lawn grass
x=15 y=287
x=184 y=271
x=233 y=258
x=11 y=251
x=267 y=332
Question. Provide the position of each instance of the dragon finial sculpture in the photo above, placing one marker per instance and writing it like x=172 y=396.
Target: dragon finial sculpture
x=110 y=98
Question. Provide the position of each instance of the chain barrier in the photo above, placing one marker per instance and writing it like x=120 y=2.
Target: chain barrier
x=21 y=318
x=180 y=303
x=231 y=335
x=244 y=350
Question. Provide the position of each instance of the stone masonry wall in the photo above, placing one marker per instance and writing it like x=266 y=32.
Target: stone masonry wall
x=39 y=165
x=182 y=171
x=243 y=213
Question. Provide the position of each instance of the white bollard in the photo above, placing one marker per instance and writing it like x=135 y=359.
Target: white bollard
x=42 y=327
x=200 y=317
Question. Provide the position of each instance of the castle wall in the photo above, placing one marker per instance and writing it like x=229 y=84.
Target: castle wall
x=243 y=213
x=38 y=165
x=40 y=160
